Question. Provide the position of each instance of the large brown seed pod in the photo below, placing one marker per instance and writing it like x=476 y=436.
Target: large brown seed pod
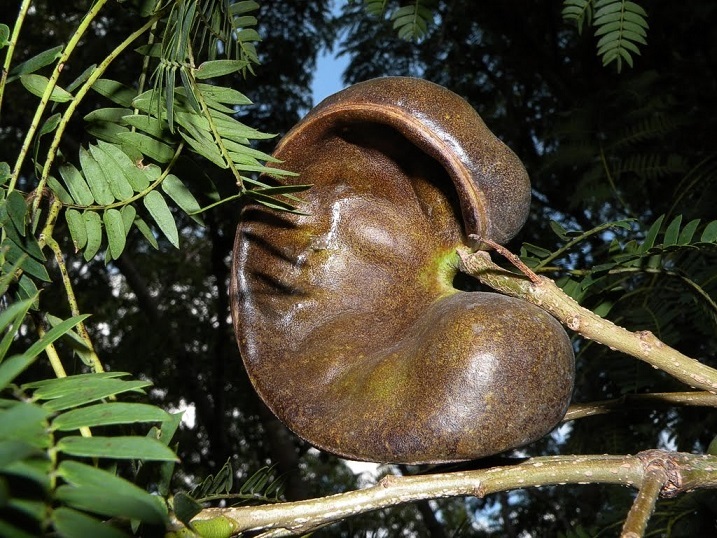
x=347 y=319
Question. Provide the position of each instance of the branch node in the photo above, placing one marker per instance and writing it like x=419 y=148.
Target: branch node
x=663 y=462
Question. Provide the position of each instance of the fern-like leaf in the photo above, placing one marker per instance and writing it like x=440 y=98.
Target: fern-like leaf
x=578 y=11
x=376 y=8
x=621 y=25
x=412 y=21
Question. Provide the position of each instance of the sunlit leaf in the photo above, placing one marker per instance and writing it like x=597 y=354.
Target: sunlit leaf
x=180 y=194
x=114 y=228
x=112 y=170
x=157 y=207
x=108 y=413
x=151 y=147
x=119 y=447
x=36 y=85
x=77 y=227
x=76 y=184
x=93 y=224
x=96 y=179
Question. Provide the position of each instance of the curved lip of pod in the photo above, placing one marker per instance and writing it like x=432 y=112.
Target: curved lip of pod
x=447 y=128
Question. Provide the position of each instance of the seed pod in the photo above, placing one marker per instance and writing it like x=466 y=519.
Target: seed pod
x=347 y=318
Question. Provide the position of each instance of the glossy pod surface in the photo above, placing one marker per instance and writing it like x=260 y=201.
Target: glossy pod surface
x=347 y=320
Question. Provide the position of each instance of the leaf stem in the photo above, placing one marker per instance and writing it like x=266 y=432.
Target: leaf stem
x=24 y=7
x=79 y=95
x=46 y=238
x=45 y=99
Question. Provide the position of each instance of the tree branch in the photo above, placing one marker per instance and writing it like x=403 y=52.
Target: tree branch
x=680 y=472
x=544 y=293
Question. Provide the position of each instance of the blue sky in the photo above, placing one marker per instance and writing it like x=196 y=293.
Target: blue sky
x=327 y=77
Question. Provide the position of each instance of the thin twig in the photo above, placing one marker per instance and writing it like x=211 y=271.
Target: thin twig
x=682 y=471
x=629 y=401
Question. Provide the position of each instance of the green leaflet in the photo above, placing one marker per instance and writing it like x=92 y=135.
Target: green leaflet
x=72 y=86
x=133 y=175
x=157 y=207
x=78 y=230
x=76 y=184
x=4 y=35
x=105 y=414
x=95 y=178
x=181 y=196
x=81 y=476
x=5 y=172
x=709 y=235
x=145 y=230
x=93 y=225
x=116 y=235
x=16 y=209
x=16 y=254
x=119 y=447
x=148 y=124
x=12 y=367
x=25 y=422
x=218 y=68
x=115 y=91
x=688 y=232
x=10 y=320
x=107 y=131
x=113 y=114
x=128 y=213
x=60 y=398
x=222 y=94
x=77 y=379
x=673 y=231
x=151 y=147
x=113 y=173
x=36 y=85
x=36 y=62
x=60 y=191
x=73 y=523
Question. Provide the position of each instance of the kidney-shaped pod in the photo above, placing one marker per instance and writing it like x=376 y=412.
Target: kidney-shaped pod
x=346 y=316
